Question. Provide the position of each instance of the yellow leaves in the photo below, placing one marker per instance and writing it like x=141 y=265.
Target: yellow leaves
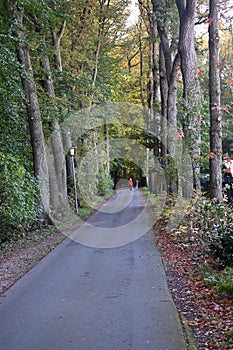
x=212 y=155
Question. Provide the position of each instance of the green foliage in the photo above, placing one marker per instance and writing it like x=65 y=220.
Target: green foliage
x=222 y=281
x=14 y=134
x=226 y=287
x=105 y=184
x=222 y=244
x=91 y=173
x=170 y=170
x=200 y=109
x=220 y=225
x=19 y=195
x=210 y=225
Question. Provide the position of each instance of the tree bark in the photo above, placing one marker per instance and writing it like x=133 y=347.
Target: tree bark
x=107 y=146
x=172 y=108
x=168 y=80
x=56 y=140
x=215 y=106
x=67 y=142
x=153 y=54
x=61 y=140
x=103 y=7
x=141 y=64
x=33 y=110
x=164 y=99
x=191 y=88
x=187 y=12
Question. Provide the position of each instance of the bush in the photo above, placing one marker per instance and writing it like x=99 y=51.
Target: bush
x=226 y=287
x=209 y=227
x=105 y=184
x=19 y=195
x=221 y=246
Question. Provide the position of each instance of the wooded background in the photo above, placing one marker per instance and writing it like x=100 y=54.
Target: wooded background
x=62 y=57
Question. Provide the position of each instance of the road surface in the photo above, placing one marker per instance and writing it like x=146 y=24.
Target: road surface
x=88 y=298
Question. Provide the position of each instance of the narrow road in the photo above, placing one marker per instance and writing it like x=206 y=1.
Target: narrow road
x=91 y=298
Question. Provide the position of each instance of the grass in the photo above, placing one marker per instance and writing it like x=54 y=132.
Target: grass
x=226 y=287
x=222 y=280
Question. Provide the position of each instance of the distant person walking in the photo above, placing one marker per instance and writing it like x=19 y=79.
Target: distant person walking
x=136 y=185
x=130 y=182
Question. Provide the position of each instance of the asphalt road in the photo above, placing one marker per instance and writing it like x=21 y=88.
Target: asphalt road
x=88 y=298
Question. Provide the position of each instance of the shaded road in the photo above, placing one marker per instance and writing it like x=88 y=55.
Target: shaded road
x=84 y=298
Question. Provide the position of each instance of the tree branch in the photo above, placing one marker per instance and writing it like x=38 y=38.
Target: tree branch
x=61 y=31
x=181 y=6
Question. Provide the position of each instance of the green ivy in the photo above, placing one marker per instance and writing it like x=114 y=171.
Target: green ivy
x=19 y=195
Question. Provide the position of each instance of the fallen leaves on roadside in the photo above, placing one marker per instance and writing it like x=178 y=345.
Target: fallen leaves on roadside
x=22 y=256
x=209 y=315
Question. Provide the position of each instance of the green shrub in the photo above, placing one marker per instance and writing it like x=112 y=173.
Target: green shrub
x=221 y=246
x=226 y=281
x=226 y=287
x=105 y=184
x=209 y=229
x=221 y=280
x=19 y=195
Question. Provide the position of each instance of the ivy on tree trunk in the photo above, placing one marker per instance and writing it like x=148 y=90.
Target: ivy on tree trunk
x=16 y=16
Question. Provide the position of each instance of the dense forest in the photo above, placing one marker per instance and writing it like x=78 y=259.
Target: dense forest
x=148 y=98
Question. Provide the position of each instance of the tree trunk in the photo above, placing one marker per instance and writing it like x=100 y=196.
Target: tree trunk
x=141 y=64
x=168 y=78
x=107 y=146
x=215 y=106
x=61 y=141
x=102 y=21
x=153 y=54
x=33 y=110
x=191 y=89
x=67 y=142
x=56 y=139
x=187 y=12
x=168 y=87
x=164 y=99
x=172 y=108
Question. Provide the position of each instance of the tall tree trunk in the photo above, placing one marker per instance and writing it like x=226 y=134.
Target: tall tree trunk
x=62 y=140
x=153 y=96
x=56 y=138
x=104 y=6
x=172 y=108
x=168 y=80
x=187 y=12
x=164 y=99
x=141 y=64
x=149 y=21
x=67 y=142
x=33 y=110
x=215 y=106
x=191 y=89
x=172 y=141
x=107 y=146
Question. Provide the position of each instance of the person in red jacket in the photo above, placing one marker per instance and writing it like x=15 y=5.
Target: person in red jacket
x=130 y=184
